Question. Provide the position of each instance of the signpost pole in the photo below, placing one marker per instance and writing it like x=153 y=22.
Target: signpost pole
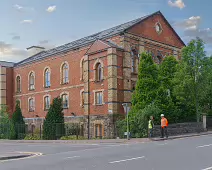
x=126 y=109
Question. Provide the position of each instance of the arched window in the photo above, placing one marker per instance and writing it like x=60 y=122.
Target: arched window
x=133 y=59
x=83 y=98
x=31 y=105
x=31 y=81
x=65 y=71
x=65 y=101
x=159 y=57
x=82 y=69
x=47 y=78
x=18 y=84
x=98 y=72
x=46 y=103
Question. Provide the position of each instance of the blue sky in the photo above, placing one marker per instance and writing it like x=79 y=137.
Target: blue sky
x=54 y=22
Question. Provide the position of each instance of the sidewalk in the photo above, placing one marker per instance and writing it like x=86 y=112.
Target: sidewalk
x=183 y=136
x=106 y=141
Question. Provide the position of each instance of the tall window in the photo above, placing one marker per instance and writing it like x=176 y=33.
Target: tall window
x=133 y=57
x=65 y=73
x=31 y=81
x=18 y=84
x=99 y=98
x=83 y=98
x=47 y=78
x=98 y=72
x=31 y=105
x=46 y=103
x=65 y=101
x=82 y=70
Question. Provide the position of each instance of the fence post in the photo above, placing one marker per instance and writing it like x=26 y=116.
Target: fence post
x=40 y=131
x=204 y=120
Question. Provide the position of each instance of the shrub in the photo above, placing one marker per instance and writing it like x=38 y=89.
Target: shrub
x=18 y=122
x=54 y=122
x=7 y=130
x=32 y=137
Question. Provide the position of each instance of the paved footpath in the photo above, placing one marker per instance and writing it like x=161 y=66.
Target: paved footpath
x=194 y=153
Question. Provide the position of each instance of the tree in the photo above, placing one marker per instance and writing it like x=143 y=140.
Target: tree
x=189 y=84
x=18 y=122
x=54 y=127
x=147 y=84
x=166 y=99
x=7 y=130
x=206 y=95
x=145 y=95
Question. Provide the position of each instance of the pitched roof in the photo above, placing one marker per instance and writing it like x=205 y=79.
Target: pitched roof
x=103 y=35
x=81 y=42
x=6 y=64
x=99 y=45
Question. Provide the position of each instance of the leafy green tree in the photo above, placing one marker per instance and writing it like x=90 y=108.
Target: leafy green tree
x=54 y=127
x=188 y=80
x=206 y=95
x=146 y=90
x=18 y=122
x=145 y=94
x=166 y=99
x=7 y=130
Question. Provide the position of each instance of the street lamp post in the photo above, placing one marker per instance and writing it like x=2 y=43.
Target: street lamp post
x=126 y=110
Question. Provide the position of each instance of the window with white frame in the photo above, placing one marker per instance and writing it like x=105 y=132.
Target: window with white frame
x=31 y=81
x=18 y=84
x=98 y=98
x=65 y=71
x=31 y=105
x=47 y=78
x=65 y=101
x=46 y=103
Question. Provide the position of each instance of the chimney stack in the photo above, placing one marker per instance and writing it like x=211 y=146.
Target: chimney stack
x=35 y=50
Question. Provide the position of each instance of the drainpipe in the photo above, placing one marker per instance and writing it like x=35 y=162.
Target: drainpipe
x=88 y=98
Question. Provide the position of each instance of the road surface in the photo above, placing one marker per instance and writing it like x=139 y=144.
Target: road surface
x=181 y=154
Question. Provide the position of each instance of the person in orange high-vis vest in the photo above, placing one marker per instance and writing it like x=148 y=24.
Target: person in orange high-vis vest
x=164 y=125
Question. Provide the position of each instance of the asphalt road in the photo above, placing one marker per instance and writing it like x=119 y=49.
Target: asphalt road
x=181 y=154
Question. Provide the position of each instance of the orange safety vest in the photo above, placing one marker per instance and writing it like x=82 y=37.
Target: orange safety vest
x=164 y=122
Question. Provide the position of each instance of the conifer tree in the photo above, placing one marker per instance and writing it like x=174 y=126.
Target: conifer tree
x=54 y=121
x=18 y=122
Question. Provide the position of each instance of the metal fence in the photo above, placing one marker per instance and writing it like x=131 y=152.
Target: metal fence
x=43 y=131
x=55 y=131
x=209 y=122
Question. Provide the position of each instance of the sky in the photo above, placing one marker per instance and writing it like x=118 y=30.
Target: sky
x=50 y=23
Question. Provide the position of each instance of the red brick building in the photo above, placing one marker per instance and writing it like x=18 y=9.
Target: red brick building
x=93 y=75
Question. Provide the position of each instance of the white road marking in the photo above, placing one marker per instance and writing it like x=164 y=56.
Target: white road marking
x=208 y=168
x=161 y=144
x=204 y=146
x=33 y=154
x=72 y=157
x=126 y=160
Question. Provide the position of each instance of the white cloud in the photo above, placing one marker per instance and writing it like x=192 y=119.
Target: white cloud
x=18 y=7
x=26 y=21
x=10 y=53
x=177 y=3
x=22 y=8
x=190 y=23
x=51 y=8
x=191 y=29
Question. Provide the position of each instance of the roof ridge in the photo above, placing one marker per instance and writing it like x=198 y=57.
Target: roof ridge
x=107 y=33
